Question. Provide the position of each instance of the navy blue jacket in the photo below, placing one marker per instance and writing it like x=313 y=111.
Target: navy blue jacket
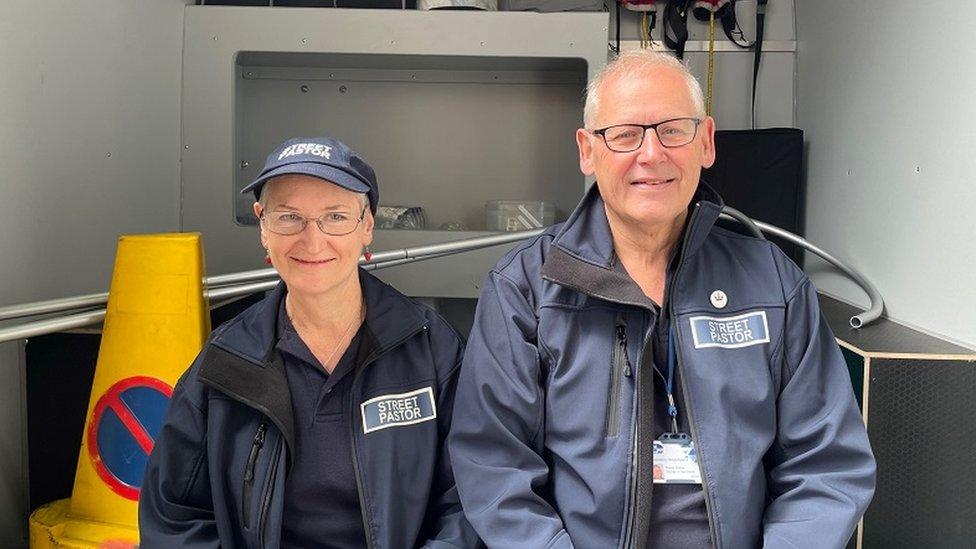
x=551 y=441
x=216 y=474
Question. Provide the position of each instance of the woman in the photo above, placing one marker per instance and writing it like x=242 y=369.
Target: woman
x=317 y=417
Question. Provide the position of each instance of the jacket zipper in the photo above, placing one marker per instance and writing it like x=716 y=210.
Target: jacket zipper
x=266 y=503
x=694 y=437
x=634 y=451
x=684 y=390
x=252 y=460
x=352 y=438
x=618 y=363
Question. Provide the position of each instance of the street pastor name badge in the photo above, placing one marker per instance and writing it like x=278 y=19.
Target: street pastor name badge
x=730 y=332
x=398 y=410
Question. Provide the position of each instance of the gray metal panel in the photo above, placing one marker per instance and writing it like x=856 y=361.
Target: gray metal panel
x=452 y=276
x=13 y=440
x=90 y=126
x=436 y=139
x=214 y=37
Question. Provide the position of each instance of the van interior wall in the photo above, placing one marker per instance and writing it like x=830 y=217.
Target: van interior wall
x=885 y=99
x=89 y=121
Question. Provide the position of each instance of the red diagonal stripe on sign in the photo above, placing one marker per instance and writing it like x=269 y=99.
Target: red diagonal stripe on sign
x=132 y=424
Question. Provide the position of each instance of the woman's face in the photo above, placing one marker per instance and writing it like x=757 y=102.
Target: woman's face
x=311 y=262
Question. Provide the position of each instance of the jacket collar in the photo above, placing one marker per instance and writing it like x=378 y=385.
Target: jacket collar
x=582 y=255
x=390 y=316
x=242 y=363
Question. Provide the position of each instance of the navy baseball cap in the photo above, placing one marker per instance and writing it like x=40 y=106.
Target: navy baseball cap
x=322 y=157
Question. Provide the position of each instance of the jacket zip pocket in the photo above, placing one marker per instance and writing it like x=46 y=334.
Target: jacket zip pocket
x=252 y=459
x=269 y=491
x=619 y=365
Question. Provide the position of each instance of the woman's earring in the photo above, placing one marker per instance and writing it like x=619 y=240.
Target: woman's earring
x=367 y=255
x=267 y=257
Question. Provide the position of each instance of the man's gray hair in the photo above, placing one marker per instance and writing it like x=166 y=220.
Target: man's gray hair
x=266 y=188
x=635 y=63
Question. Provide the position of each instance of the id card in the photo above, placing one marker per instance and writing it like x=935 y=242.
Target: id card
x=676 y=460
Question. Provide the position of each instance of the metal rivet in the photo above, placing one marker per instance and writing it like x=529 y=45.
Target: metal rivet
x=214 y=37
x=244 y=164
x=304 y=41
x=342 y=89
x=304 y=88
x=187 y=147
x=108 y=155
x=332 y=75
x=849 y=172
x=393 y=42
x=482 y=43
x=918 y=169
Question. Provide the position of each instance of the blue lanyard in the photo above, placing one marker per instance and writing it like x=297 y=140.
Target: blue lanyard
x=669 y=383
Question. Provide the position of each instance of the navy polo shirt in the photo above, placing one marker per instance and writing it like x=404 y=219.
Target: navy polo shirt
x=678 y=515
x=321 y=507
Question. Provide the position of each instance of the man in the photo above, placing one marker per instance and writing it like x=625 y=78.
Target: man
x=638 y=377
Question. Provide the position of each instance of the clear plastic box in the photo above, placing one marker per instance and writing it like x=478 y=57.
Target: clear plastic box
x=518 y=215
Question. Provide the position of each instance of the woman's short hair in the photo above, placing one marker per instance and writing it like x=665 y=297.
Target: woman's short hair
x=266 y=191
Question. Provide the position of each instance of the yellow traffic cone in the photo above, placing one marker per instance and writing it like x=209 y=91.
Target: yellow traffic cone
x=156 y=322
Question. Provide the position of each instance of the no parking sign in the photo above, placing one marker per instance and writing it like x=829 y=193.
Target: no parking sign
x=156 y=320
x=122 y=431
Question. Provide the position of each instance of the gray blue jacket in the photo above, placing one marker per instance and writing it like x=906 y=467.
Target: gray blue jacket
x=216 y=475
x=553 y=421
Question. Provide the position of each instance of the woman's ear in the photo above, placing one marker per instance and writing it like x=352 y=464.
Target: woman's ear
x=368 y=225
x=258 y=210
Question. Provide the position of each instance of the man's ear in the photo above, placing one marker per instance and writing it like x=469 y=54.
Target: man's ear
x=585 y=145
x=708 y=142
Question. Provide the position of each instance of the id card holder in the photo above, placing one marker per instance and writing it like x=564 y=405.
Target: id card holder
x=675 y=460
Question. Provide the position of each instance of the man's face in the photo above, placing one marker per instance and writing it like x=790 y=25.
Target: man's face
x=652 y=186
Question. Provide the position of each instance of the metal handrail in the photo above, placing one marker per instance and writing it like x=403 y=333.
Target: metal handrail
x=233 y=285
x=230 y=286
x=428 y=251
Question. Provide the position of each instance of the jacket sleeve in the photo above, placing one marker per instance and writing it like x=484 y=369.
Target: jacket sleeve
x=446 y=524
x=175 y=505
x=820 y=469
x=497 y=437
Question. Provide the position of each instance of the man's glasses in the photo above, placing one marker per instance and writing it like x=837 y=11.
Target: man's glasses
x=672 y=133
x=332 y=223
